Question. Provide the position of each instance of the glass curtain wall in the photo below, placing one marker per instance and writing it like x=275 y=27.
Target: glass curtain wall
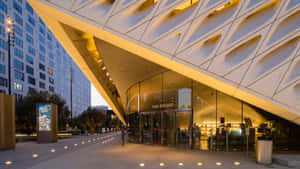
x=170 y=109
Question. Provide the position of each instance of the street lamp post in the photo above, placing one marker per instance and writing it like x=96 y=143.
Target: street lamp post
x=10 y=42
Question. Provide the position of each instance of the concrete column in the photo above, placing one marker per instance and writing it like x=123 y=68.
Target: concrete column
x=7 y=122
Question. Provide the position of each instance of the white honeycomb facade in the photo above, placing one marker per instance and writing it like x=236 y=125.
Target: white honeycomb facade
x=252 y=45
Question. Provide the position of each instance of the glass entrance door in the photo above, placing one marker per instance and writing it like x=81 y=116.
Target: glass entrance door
x=146 y=127
x=170 y=128
x=156 y=129
x=183 y=125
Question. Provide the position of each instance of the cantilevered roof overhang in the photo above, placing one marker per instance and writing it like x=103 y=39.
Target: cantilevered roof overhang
x=261 y=78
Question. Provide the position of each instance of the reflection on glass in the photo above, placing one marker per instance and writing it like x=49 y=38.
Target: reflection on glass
x=204 y=122
x=173 y=109
x=132 y=99
x=229 y=116
x=177 y=90
x=151 y=93
x=183 y=124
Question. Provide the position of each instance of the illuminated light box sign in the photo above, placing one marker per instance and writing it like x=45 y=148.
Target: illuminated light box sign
x=44 y=111
x=46 y=117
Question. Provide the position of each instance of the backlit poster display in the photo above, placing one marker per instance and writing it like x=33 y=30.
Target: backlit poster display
x=44 y=111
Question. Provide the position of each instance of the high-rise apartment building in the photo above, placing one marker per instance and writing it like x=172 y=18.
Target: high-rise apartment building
x=38 y=61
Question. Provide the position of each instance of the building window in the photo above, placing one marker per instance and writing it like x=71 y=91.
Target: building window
x=31 y=50
x=50 y=55
x=30 y=89
x=42 y=76
x=2 y=69
x=29 y=8
x=29 y=59
x=18 y=97
x=29 y=29
x=3 y=44
x=51 y=64
x=51 y=88
x=18 y=30
x=51 y=80
x=18 y=19
x=18 y=86
x=42 y=30
x=50 y=72
x=49 y=37
x=19 y=42
x=3 y=6
x=18 y=53
x=31 y=20
x=42 y=57
x=17 y=7
x=41 y=22
x=2 y=56
x=29 y=39
x=2 y=31
x=31 y=80
x=29 y=70
x=3 y=82
x=42 y=85
x=1 y=18
x=42 y=49
x=42 y=67
x=42 y=39
x=18 y=65
x=19 y=75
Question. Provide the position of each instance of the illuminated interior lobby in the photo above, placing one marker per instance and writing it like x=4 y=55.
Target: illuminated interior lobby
x=189 y=73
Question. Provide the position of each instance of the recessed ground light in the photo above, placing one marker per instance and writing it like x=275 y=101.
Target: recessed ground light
x=35 y=155
x=8 y=162
x=52 y=150
x=180 y=164
x=89 y=141
x=218 y=163
x=75 y=145
x=142 y=164
x=237 y=163
x=161 y=164
x=199 y=164
x=82 y=142
x=66 y=147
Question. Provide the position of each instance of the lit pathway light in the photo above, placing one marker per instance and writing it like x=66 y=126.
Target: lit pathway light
x=8 y=162
x=35 y=155
x=218 y=163
x=52 y=150
x=66 y=147
x=199 y=164
x=237 y=163
x=161 y=164
x=142 y=164
x=82 y=142
x=75 y=145
x=180 y=164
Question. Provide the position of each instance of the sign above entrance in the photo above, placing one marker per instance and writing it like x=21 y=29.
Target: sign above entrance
x=162 y=106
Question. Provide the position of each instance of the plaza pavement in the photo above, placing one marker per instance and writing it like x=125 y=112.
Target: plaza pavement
x=107 y=153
